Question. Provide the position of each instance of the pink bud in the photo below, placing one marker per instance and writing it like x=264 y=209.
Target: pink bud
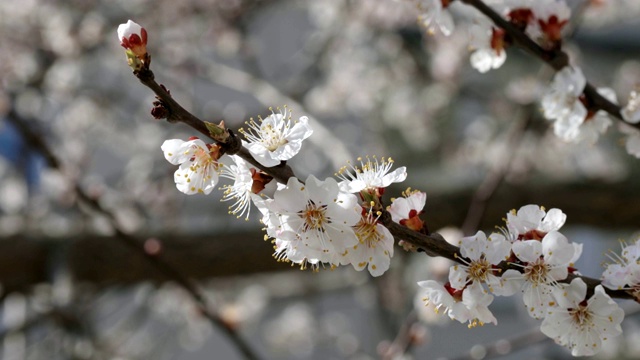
x=133 y=37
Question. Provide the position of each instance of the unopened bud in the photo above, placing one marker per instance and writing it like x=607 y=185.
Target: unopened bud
x=133 y=37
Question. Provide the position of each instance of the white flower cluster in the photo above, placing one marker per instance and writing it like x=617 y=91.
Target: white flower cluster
x=537 y=258
x=542 y=20
x=565 y=104
x=318 y=223
x=315 y=223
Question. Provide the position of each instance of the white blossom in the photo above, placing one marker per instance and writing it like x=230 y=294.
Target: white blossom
x=533 y=222
x=624 y=272
x=487 y=43
x=594 y=124
x=562 y=102
x=375 y=245
x=483 y=253
x=316 y=215
x=581 y=324
x=406 y=210
x=276 y=138
x=370 y=176
x=544 y=263
x=632 y=141
x=435 y=16
x=199 y=168
x=468 y=305
x=631 y=112
x=241 y=190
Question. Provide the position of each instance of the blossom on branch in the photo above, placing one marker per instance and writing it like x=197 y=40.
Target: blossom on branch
x=582 y=324
x=562 y=104
x=316 y=218
x=468 y=305
x=632 y=142
x=488 y=43
x=370 y=178
x=435 y=16
x=483 y=253
x=631 y=112
x=242 y=187
x=543 y=264
x=624 y=272
x=199 y=167
x=276 y=138
x=375 y=244
x=406 y=210
x=532 y=222
x=550 y=18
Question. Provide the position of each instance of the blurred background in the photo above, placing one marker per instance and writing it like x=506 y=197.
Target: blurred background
x=372 y=83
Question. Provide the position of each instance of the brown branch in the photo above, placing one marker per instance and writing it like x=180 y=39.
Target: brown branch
x=132 y=243
x=230 y=143
x=556 y=58
x=433 y=244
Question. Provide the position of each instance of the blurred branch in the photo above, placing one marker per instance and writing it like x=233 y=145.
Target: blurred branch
x=404 y=340
x=556 y=58
x=158 y=263
x=507 y=346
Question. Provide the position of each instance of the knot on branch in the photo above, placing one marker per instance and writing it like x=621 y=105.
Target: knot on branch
x=160 y=108
x=232 y=145
x=144 y=75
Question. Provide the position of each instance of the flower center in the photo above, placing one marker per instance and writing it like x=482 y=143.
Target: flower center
x=367 y=232
x=581 y=316
x=536 y=272
x=478 y=269
x=314 y=217
x=272 y=138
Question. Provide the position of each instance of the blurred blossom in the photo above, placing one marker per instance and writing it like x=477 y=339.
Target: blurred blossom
x=63 y=77
x=13 y=195
x=524 y=90
x=293 y=331
x=56 y=30
x=11 y=225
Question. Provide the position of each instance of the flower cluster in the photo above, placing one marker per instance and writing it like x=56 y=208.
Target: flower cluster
x=202 y=165
x=538 y=260
x=324 y=223
x=566 y=105
x=313 y=223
